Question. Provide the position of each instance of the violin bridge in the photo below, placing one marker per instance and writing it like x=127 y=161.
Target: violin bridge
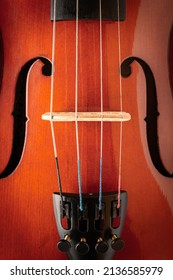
x=87 y=116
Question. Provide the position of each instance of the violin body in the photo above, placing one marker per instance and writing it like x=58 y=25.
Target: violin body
x=27 y=168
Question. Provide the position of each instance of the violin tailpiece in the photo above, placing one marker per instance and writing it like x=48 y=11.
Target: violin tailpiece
x=91 y=233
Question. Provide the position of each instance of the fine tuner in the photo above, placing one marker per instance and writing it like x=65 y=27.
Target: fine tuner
x=82 y=247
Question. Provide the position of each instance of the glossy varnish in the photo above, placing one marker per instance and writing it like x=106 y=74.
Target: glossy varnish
x=27 y=223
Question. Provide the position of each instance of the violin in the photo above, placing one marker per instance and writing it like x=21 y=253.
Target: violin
x=85 y=129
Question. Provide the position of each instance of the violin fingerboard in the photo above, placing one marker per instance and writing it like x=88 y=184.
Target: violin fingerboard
x=89 y=10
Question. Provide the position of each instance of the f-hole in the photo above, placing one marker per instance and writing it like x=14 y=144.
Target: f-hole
x=19 y=113
x=151 y=118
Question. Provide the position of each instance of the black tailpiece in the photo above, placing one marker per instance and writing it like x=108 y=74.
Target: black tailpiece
x=91 y=233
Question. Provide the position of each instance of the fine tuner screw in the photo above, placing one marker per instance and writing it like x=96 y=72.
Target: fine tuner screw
x=117 y=243
x=101 y=246
x=82 y=247
x=64 y=244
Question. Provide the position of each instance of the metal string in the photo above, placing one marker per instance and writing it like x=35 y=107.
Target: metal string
x=51 y=103
x=101 y=108
x=121 y=107
x=76 y=108
x=76 y=105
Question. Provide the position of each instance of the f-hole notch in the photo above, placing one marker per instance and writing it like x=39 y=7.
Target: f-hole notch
x=89 y=10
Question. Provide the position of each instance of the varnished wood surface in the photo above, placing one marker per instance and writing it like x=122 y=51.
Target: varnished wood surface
x=27 y=223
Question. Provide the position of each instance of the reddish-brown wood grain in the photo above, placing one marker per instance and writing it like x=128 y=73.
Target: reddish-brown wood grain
x=27 y=224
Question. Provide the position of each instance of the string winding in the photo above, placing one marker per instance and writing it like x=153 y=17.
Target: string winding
x=121 y=107
x=101 y=108
x=76 y=109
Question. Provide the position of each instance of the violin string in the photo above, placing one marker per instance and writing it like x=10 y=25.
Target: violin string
x=121 y=107
x=51 y=103
x=101 y=107
x=76 y=108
